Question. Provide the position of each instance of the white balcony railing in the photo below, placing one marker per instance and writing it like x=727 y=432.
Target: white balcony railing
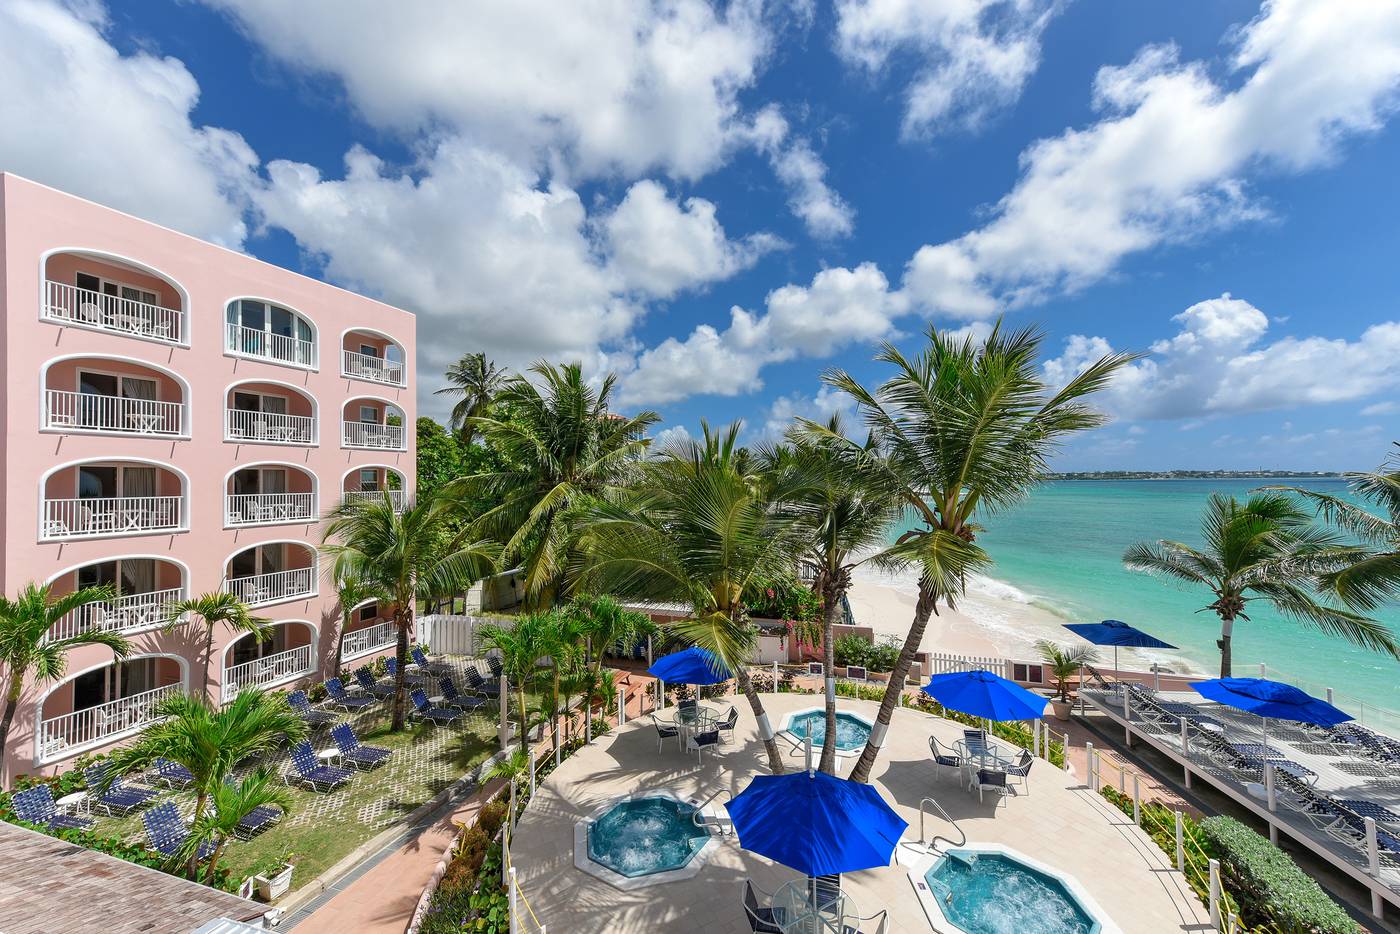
x=250 y=342
x=71 y=733
x=374 y=369
x=370 y=639
x=82 y=411
x=68 y=304
x=272 y=669
x=116 y=515
x=127 y=614
x=240 y=425
x=258 y=589
x=268 y=508
x=374 y=496
x=373 y=435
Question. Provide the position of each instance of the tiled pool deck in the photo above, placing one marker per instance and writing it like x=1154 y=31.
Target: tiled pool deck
x=1058 y=822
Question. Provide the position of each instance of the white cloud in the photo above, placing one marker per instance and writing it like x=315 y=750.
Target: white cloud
x=825 y=212
x=606 y=87
x=667 y=437
x=661 y=247
x=840 y=307
x=974 y=56
x=114 y=128
x=1382 y=408
x=826 y=403
x=1216 y=365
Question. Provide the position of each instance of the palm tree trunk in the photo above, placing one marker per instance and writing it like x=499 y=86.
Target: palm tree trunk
x=208 y=658
x=524 y=718
x=192 y=868
x=11 y=705
x=401 y=623
x=339 y=642
x=214 y=861
x=1227 y=628
x=928 y=599
x=831 y=607
x=765 y=732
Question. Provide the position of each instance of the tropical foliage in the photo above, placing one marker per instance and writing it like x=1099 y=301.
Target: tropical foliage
x=1064 y=662
x=212 y=610
x=475 y=381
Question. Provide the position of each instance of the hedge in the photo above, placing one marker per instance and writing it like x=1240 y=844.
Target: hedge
x=1269 y=886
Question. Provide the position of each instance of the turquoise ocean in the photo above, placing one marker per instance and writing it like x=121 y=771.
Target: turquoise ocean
x=1061 y=550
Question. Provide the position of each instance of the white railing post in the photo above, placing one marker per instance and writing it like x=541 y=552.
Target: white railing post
x=621 y=706
x=1092 y=778
x=775 y=677
x=532 y=773
x=1127 y=718
x=503 y=729
x=1180 y=842
x=1373 y=853
x=510 y=815
x=513 y=896
x=1083 y=703
x=1214 y=902
x=1035 y=737
x=1137 y=801
x=587 y=720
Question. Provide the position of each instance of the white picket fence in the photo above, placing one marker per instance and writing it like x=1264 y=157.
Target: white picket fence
x=455 y=634
x=941 y=663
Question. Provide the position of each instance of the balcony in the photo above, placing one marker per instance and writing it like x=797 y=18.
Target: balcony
x=81 y=411
x=93 y=517
x=356 y=365
x=245 y=509
x=374 y=496
x=270 y=427
x=268 y=670
x=279 y=348
x=273 y=587
x=126 y=615
x=71 y=733
x=88 y=308
x=370 y=639
x=373 y=436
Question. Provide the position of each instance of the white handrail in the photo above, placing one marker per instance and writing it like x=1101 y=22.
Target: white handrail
x=373 y=496
x=114 y=515
x=93 y=726
x=242 y=425
x=250 y=342
x=84 y=411
x=275 y=587
x=267 y=508
x=363 y=641
x=69 y=304
x=373 y=435
x=128 y=613
x=267 y=670
x=374 y=369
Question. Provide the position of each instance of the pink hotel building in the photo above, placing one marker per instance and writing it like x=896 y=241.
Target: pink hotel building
x=178 y=419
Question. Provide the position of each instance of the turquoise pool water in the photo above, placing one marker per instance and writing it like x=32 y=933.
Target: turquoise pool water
x=988 y=893
x=851 y=731
x=645 y=836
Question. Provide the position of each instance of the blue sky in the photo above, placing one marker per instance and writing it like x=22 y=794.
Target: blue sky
x=720 y=201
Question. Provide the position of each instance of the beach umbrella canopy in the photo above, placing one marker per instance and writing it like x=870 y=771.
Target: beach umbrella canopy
x=983 y=694
x=1271 y=700
x=691 y=666
x=1118 y=634
x=816 y=823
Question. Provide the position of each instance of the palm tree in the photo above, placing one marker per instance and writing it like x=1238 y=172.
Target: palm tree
x=406 y=555
x=27 y=650
x=847 y=519
x=562 y=447
x=699 y=530
x=213 y=609
x=477 y=380
x=1372 y=576
x=350 y=592
x=210 y=740
x=961 y=428
x=521 y=645
x=1265 y=548
x=1064 y=662
x=603 y=623
x=231 y=801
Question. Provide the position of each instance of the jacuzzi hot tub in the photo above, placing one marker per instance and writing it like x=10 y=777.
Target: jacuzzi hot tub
x=645 y=838
x=852 y=730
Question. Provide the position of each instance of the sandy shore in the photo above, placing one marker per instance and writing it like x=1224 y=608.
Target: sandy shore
x=993 y=619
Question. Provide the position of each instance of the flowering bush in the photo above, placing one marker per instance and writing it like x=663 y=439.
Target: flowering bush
x=782 y=599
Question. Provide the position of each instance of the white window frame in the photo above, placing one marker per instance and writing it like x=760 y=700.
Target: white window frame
x=104 y=280
x=78 y=381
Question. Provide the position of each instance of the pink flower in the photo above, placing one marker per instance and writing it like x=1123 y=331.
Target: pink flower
x=770 y=593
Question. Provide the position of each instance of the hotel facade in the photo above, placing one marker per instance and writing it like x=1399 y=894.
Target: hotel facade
x=179 y=418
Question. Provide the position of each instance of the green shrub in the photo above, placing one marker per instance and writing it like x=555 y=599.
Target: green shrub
x=884 y=654
x=782 y=598
x=851 y=650
x=1270 y=888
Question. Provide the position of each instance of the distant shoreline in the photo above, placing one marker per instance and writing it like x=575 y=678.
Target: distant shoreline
x=1197 y=475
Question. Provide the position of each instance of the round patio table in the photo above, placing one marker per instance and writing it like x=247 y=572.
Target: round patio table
x=695 y=717
x=795 y=912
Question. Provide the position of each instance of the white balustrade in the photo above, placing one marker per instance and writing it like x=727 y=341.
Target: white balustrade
x=240 y=425
x=363 y=641
x=68 y=304
x=114 y=515
x=128 y=613
x=373 y=435
x=374 y=369
x=271 y=669
x=258 y=589
x=268 y=508
x=69 y=733
x=82 y=411
x=374 y=496
x=250 y=342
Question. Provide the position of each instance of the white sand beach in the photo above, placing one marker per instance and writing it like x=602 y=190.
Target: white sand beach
x=993 y=619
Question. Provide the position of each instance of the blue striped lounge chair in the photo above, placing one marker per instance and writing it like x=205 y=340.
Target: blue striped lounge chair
x=338 y=697
x=452 y=697
x=391 y=665
x=421 y=663
x=365 y=679
x=36 y=806
x=306 y=770
x=312 y=717
x=167 y=831
x=438 y=716
x=169 y=773
x=475 y=682
x=354 y=752
x=119 y=798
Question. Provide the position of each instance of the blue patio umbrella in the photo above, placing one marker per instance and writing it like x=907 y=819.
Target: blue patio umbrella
x=816 y=823
x=1118 y=634
x=690 y=666
x=983 y=694
x=1271 y=699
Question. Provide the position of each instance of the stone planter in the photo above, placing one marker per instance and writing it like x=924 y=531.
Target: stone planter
x=1061 y=709
x=878 y=677
x=274 y=886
